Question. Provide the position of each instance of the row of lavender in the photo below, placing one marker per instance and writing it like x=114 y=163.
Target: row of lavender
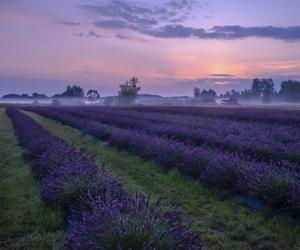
x=262 y=141
x=287 y=117
x=100 y=213
x=278 y=186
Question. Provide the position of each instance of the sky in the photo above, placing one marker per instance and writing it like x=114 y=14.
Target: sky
x=172 y=46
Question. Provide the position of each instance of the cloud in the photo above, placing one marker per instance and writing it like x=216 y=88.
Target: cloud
x=90 y=34
x=145 y=15
x=221 y=75
x=79 y=34
x=119 y=36
x=112 y=24
x=132 y=38
x=213 y=80
x=217 y=32
x=235 y=31
x=93 y=34
x=124 y=14
x=69 y=23
x=171 y=31
x=226 y=32
x=167 y=21
x=181 y=4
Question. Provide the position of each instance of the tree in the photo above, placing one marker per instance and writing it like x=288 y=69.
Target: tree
x=25 y=96
x=234 y=93
x=268 y=90
x=129 y=91
x=204 y=96
x=290 y=90
x=208 y=93
x=212 y=93
x=197 y=92
x=38 y=96
x=93 y=95
x=11 y=96
x=257 y=87
x=247 y=93
x=226 y=95
x=263 y=88
x=72 y=91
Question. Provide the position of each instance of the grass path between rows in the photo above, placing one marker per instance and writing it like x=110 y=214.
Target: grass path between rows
x=25 y=223
x=224 y=224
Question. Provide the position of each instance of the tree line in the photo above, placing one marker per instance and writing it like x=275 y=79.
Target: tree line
x=126 y=94
x=261 y=89
x=71 y=91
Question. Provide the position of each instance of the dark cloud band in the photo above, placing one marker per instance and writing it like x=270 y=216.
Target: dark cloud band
x=69 y=23
x=217 y=32
x=227 y=32
x=173 y=11
x=166 y=21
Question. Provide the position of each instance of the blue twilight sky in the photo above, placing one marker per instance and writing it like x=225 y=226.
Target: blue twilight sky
x=171 y=46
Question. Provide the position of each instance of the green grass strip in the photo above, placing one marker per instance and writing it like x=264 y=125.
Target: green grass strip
x=225 y=224
x=25 y=223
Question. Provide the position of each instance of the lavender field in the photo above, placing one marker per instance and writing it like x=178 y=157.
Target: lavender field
x=237 y=175
x=149 y=125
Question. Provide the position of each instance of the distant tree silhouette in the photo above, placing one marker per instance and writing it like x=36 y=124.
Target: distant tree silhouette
x=129 y=91
x=11 y=96
x=268 y=90
x=204 y=93
x=247 y=93
x=257 y=87
x=39 y=96
x=93 y=95
x=204 y=96
x=24 y=96
x=211 y=93
x=72 y=91
x=263 y=88
x=234 y=93
x=16 y=96
x=197 y=93
x=290 y=90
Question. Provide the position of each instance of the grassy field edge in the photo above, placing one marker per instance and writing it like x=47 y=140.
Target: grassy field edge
x=25 y=223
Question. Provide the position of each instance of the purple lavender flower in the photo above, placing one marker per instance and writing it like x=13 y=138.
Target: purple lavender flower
x=129 y=224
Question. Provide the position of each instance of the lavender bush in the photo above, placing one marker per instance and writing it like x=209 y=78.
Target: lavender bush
x=107 y=226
